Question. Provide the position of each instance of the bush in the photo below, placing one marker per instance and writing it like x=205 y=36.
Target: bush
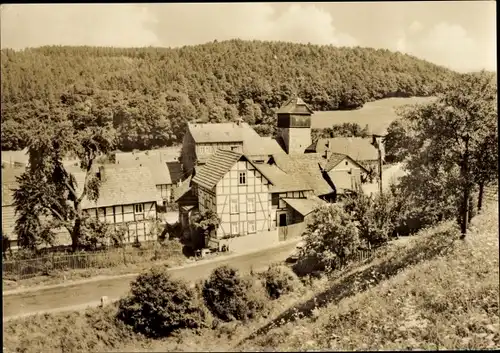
x=331 y=237
x=279 y=280
x=158 y=305
x=229 y=296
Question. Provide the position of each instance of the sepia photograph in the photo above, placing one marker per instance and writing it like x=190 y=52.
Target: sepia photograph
x=249 y=176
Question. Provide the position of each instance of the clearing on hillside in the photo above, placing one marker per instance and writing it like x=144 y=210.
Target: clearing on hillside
x=377 y=114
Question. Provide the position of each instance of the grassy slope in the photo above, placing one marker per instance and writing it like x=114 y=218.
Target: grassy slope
x=448 y=301
x=429 y=291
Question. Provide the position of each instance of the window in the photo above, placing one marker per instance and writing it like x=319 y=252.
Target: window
x=234 y=205
x=138 y=208
x=251 y=227
x=250 y=204
x=243 y=178
x=275 y=199
x=234 y=228
x=346 y=163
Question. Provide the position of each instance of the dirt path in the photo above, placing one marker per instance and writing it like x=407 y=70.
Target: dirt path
x=78 y=296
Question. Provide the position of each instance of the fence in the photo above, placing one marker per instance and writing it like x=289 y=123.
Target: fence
x=22 y=269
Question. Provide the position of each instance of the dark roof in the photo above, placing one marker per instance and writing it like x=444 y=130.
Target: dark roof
x=295 y=106
x=183 y=190
x=282 y=182
x=304 y=206
x=305 y=166
x=359 y=149
x=9 y=184
x=175 y=171
x=216 y=167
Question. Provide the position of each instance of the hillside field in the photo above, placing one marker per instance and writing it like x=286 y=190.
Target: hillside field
x=377 y=114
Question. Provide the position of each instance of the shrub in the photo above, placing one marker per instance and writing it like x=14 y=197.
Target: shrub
x=95 y=234
x=279 y=280
x=231 y=297
x=158 y=305
x=331 y=237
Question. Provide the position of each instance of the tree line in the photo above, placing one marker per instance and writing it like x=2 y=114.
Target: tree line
x=151 y=93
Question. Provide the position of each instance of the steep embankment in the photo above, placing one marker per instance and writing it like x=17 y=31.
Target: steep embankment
x=152 y=92
x=433 y=292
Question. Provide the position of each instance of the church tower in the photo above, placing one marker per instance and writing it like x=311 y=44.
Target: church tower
x=294 y=125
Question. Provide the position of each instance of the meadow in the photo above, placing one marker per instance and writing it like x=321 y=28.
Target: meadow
x=377 y=114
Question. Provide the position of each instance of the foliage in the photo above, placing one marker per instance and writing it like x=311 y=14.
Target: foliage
x=331 y=236
x=279 y=280
x=158 y=305
x=152 y=93
x=47 y=190
x=95 y=234
x=445 y=146
x=340 y=130
x=376 y=217
x=230 y=296
x=203 y=224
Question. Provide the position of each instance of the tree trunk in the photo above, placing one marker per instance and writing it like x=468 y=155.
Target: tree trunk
x=466 y=192
x=77 y=227
x=480 y=197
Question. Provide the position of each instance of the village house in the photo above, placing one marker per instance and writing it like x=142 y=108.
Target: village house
x=164 y=166
x=246 y=196
x=202 y=140
x=359 y=149
x=127 y=197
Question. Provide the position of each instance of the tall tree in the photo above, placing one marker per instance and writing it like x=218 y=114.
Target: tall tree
x=449 y=135
x=47 y=190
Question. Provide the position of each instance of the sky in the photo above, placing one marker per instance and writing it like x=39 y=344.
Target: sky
x=460 y=35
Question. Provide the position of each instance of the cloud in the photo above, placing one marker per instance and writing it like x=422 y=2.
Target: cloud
x=448 y=45
x=415 y=27
x=200 y=23
x=76 y=24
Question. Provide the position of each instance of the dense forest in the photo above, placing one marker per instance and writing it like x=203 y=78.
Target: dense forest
x=150 y=93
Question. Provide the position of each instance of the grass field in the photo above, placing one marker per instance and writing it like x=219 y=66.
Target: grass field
x=378 y=114
x=431 y=291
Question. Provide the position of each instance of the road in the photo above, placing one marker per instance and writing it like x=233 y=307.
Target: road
x=79 y=296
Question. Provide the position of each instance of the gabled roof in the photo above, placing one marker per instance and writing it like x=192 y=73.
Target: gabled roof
x=305 y=166
x=336 y=158
x=295 y=106
x=282 y=182
x=304 y=206
x=221 y=132
x=359 y=149
x=120 y=186
x=216 y=167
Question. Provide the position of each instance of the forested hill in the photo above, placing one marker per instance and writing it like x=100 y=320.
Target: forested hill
x=152 y=92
